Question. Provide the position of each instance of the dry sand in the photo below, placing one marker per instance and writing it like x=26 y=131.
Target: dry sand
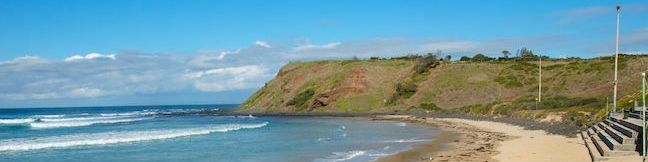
x=471 y=140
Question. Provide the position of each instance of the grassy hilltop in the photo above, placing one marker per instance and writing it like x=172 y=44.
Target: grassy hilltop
x=574 y=90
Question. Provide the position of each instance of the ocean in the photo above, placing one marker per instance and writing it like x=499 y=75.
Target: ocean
x=186 y=133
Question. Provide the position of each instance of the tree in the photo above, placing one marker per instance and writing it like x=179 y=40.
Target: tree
x=464 y=58
x=448 y=58
x=481 y=58
x=525 y=52
x=506 y=53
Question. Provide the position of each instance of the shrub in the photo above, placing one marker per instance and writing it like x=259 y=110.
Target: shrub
x=300 y=99
x=424 y=64
x=481 y=58
x=403 y=90
x=578 y=119
x=430 y=106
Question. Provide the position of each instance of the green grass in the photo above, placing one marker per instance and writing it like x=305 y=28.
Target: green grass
x=588 y=66
x=508 y=81
x=360 y=103
x=525 y=66
x=577 y=111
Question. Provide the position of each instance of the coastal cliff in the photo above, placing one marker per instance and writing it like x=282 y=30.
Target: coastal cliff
x=576 y=87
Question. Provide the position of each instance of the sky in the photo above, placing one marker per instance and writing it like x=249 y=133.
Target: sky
x=72 y=53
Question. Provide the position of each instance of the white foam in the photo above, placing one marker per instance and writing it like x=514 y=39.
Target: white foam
x=344 y=156
x=323 y=139
x=49 y=116
x=134 y=113
x=406 y=141
x=89 y=139
x=402 y=124
x=80 y=123
x=79 y=119
x=16 y=121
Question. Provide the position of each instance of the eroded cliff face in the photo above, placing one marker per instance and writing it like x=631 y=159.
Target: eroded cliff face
x=394 y=85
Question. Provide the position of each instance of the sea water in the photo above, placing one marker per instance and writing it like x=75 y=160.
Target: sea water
x=183 y=133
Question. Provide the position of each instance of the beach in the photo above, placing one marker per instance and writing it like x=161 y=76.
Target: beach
x=479 y=140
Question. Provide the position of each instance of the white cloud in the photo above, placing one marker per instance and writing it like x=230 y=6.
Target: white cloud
x=221 y=79
x=90 y=56
x=25 y=59
x=209 y=59
x=314 y=47
x=86 y=92
x=262 y=44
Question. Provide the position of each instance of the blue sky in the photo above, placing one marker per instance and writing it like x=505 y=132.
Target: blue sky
x=135 y=52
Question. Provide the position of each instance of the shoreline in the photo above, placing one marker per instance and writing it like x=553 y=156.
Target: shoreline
x=475 y=140
x=457 y=142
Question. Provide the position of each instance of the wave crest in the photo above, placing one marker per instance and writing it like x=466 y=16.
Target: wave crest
x=90 y=139
x=80 y=123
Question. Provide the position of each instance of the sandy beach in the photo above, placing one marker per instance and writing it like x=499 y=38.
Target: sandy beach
x=473 y=140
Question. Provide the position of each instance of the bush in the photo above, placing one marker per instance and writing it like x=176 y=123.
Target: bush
x=430 y=106
x=300 y=99
x=578 y=119
x=406 y=90
x=481 y=58
x=563 y=102
x=464 y=58
x=403 y=90
x=424 y=64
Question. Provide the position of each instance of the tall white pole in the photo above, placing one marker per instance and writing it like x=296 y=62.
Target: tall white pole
x=616 y=61
x=643 y=113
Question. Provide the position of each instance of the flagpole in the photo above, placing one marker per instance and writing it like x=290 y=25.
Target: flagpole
x=643 y=113
x=616 y=60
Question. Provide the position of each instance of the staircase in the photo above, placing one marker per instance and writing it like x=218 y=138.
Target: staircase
x=617 y=137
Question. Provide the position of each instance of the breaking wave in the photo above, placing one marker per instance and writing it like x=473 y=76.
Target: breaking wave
x=92 y=139
x=343 y=156
x=16 y=121
x=406 y=141
x=56 y=121
x=80 y=123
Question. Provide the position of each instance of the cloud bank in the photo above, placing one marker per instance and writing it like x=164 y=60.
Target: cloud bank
x=97 y=75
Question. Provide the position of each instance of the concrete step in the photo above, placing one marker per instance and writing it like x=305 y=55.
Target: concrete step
x=634 y=115
x=623 y=129
x=611 y=142
x=603 y=149
x=618 y=136
x=632 y=123
x=638 y=109
x=594 y=152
